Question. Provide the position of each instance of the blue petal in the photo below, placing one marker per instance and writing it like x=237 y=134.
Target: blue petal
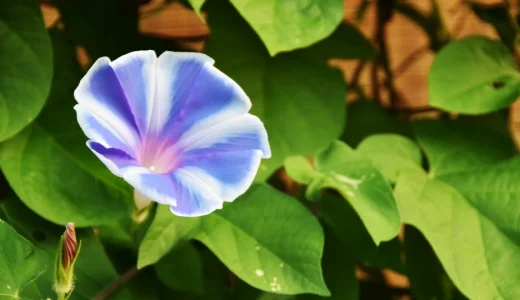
x=115 y=160
x=245 y=132
x=157 y=187
x=186 y=194
x=203 y=96
x=228 y=174
x=100 y=93
x=99 y=131
x=136 y=74
x=175 y=74
x=194 y=197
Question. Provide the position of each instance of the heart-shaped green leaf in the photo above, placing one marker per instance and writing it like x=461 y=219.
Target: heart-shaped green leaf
x=18 y=262
x=265 y=237
x=25 y=65
x=301 y=102
x=49 y=166
x=475 y=75
x=287 y=25
x=356 y=178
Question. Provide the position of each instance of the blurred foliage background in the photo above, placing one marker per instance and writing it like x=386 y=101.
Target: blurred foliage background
x=394 y=172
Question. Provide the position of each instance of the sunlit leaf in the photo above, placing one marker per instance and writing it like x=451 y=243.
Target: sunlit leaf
x=475 y=75
x=468 y=199
x=392 y=154
x=428 y=280
x=287 y=25
x=265 y=237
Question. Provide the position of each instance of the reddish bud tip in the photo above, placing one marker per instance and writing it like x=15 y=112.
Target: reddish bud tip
x=70 y=245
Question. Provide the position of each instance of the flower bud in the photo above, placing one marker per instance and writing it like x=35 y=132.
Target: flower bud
x=68 y=250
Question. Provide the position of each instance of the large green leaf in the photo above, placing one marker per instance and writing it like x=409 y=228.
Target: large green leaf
x=452 y=145
x=356 y=178
x=265 y=237
x=466 y=205
x=301 y=103
x=339 y=271
x=346 y=42
x=476 y=161
x=392 y=154
x=356 y=242
x=181 y=269
x=49 y=166
x=288 y=25
x=25 y=64
x=480 y=259
x=93 y=269
x=475 y=75
x=18 y=262
x=428 y=280
x=493 y=190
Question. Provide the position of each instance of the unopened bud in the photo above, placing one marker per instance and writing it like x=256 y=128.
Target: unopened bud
x=68 y=251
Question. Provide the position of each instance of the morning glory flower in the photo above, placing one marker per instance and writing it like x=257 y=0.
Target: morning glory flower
x=174 y=127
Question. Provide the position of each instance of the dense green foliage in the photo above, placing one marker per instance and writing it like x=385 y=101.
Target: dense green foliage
x=348 y=186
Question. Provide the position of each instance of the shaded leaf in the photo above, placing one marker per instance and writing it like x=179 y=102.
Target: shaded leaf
x=453 y=145
x=301 y=103
x=18 y=263
x=49 y=166
x=181 y=269
x=91 y=277
x=338 y=270
x=355 y=240
x=365 y=118
x=25 y=65
x=428 y=280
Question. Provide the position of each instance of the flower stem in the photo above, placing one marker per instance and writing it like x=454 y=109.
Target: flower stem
x=116 y=284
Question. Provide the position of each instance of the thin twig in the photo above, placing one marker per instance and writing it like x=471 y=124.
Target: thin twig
x=412 y=111
x=461 y=21
x=115 y=285
x=383 y=14
x=361 y=11
x=376 y=95
x=357 y=73
x=409 y=60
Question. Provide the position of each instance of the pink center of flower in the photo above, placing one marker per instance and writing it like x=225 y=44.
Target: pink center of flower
x=158 y=158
